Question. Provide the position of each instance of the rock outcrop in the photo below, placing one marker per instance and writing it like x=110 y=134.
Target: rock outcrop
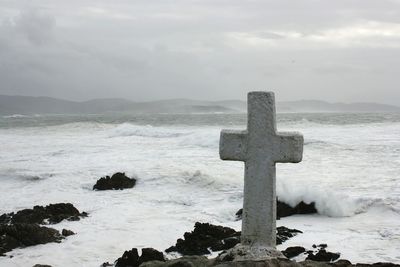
x=51 y=214
x=117 y=181
x=285 y=210
x=207 y=238
x=23 y=235
x=131 y=258
x=23 y=228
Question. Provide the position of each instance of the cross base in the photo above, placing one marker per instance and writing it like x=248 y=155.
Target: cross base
x=254 y=253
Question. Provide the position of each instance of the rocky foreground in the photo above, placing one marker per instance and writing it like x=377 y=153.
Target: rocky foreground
x=207 y=238
x=28 y=227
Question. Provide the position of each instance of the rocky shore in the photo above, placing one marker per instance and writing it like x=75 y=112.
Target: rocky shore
x=27 y=227
x=30 y=227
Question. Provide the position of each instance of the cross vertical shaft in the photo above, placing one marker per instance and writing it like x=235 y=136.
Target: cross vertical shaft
x=260 y=147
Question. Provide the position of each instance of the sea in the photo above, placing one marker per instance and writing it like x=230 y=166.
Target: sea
x=350 y=169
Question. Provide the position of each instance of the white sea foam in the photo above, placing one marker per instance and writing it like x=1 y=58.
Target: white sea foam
x=127 y=129
x=350 y=172
x=15 y=116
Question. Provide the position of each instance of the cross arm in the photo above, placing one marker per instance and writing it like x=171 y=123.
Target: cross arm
x=290 y=147
x=233 y=145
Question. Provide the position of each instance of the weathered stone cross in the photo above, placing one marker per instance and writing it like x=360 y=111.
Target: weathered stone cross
x=260 y=147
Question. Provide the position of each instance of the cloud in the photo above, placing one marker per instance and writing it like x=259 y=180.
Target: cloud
x=143 y=50
x=35 y=25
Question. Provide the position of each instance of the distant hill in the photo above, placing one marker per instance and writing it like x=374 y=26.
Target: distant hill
x=27 y=105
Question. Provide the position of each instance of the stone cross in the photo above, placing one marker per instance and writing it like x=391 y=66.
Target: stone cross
x=260 y=147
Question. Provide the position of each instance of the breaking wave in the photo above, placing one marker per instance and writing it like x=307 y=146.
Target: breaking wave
x=333 y=204
x=127 y=129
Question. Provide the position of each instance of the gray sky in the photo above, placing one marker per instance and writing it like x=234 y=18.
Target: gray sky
x=342 y=50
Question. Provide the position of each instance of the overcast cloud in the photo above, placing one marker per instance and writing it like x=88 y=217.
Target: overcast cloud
x=342 y=50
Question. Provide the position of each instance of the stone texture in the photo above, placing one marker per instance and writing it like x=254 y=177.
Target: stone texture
x=260 y=147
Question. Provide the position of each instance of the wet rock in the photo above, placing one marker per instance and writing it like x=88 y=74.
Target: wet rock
x=206 y=236
x=66 y=232
x=117 y=181
x=53 y=213
x=323 y=255
x=186 y=261
x=24 y=235
x=292 y=252
x=129 y=259
x=284 y=233
x=379 y=264
x=285 y=210
x=342 y=263
x=151 y=254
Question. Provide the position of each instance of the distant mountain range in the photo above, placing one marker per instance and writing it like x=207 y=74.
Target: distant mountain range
x=27 y=105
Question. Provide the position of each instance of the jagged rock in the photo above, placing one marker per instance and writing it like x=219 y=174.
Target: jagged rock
x=323 y=255
x=284 y=210
x=284 y=233
x=292 y=252
x=117 y=181
x=186 y=261
x=24 y=235
x=199 y=261
x=53 y=213
x=205 y=236
x=66 y=232
x=150 y=254
x=131 y=258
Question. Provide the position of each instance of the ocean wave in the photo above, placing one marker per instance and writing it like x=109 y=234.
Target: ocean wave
x=333 y=204
x=204 y=139
x=127 y=129
x=15 y=116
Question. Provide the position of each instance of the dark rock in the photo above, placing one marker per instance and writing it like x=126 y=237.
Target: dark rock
x=66 y=232
x=379 y=264
x=41 y=265
x=24 y=235
x=284 y=233
x=186 y=261
x=53 y=213
x=292 y=252
x=150 y=254
x=107 y=264
x=117 y=181
x=239 y=214
x=343 y=263
x=129 y=259
x=206 y=236
x=285 y=210
x=323 y=255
